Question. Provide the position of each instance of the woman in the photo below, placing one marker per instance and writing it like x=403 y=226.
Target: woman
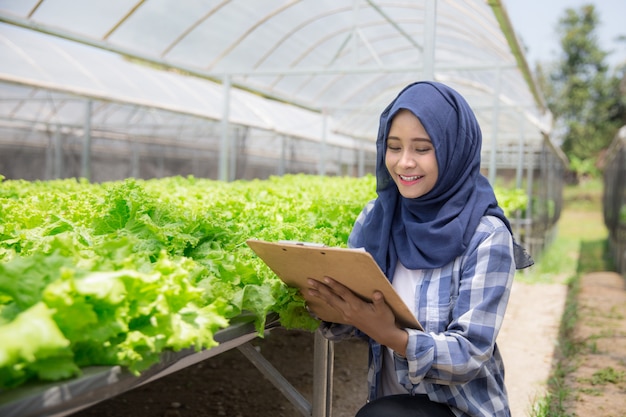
x=437 y=233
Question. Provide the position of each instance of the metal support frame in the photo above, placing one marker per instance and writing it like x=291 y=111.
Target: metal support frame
x=98 y=383
x=323 y=145
x=430 y=17
x=323 y=363
x=494 y=129
x=86 y=156
x=224 y=143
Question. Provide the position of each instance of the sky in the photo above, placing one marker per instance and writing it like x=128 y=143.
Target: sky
x=535 y=23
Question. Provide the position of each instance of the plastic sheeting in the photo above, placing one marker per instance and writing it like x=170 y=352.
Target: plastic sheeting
x=321 y=70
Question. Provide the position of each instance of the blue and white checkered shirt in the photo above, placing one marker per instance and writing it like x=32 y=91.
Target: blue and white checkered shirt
x=461 y=306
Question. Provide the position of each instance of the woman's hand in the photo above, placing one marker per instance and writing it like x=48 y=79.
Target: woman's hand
x=375 y=318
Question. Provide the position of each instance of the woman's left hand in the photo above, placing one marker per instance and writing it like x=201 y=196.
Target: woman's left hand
x=375 y=318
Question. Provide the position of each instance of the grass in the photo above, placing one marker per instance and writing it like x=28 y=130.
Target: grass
x=607 y=375
x=581 y=231
x=580 y=247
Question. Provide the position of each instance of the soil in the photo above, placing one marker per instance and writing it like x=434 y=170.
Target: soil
x=229 y=385
x=598 y=382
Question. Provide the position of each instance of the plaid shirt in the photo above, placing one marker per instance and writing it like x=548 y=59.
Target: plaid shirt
x=461 y=306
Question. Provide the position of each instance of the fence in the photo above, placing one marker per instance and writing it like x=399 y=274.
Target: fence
x=614 y=199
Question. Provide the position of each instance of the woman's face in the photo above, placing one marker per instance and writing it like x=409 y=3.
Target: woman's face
x=410 y=156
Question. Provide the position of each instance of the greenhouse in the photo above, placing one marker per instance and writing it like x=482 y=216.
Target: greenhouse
x=86 y=94
x=238 y=90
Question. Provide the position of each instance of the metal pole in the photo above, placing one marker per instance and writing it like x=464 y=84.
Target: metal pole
x=86 y=156
x=276 y=378
x=283 y=155
x=57 y=170
x=519 y=172
x=322 y=161
x=361 y=158
x=134 y=160
x=430 y=19
x=494 y=129
x=323 y=363
x=529 y=206
x=223 y=163
x=355 y=37
x=233 y=143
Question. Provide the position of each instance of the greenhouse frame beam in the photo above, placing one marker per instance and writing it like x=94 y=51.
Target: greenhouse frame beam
x=429 y=39
x=401 y=31
x=363 y=69
x=84 y=40
x=507 y=29
x=86 y=154
x=218 y=77
x=224 y=148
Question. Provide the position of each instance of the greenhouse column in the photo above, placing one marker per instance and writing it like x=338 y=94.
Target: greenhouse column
x=530 y=205
x=429 y=39
x=322 y=161
x=57 y=170
x=283 y=155
x=224 y=147
x=323 y=364
x=134 y=160
x=494 y=128
x=86 y=157
x=361 y=158
x=233 y=143
x=519 y=171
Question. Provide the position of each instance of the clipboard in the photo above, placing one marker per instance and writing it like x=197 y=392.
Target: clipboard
x=295 y=262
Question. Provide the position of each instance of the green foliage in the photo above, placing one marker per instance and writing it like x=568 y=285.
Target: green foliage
x=584 y=168
x=584 y=98
x=607 y=375
x=118 y=272
x=511 y=199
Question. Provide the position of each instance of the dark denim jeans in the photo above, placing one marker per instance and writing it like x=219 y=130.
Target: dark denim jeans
x=404 y=406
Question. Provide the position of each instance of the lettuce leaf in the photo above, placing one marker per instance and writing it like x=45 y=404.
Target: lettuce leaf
x=128 y=269
x=33 y=346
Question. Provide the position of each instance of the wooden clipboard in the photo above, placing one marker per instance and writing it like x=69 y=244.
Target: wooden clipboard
x=295 y=262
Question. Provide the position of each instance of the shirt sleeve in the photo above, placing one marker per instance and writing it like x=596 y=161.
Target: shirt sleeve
x=457 y=351
x=336 y=331
x=358 y=224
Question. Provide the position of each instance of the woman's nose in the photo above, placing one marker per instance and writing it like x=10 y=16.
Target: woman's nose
x=406 y=159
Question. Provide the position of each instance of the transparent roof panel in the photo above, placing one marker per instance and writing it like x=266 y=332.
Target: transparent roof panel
x=294 y=66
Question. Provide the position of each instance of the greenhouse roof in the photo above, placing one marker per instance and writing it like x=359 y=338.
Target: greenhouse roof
x=315 y=69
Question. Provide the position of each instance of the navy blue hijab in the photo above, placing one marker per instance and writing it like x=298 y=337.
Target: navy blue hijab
x=432 y=230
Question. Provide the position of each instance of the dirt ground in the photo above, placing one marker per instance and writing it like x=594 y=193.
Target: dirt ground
x=229 y=385
x=528 y=342
x=598 y=383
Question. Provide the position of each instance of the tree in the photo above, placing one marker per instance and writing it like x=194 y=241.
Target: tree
x=585 y=100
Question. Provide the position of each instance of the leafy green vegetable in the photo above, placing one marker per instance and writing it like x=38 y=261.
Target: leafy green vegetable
x=122 y=271
x=33 y=346
x=116 y=273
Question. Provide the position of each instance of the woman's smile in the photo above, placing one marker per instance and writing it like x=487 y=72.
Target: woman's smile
x=409 y=180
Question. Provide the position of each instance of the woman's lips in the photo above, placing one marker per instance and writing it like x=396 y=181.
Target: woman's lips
x=409 y=179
